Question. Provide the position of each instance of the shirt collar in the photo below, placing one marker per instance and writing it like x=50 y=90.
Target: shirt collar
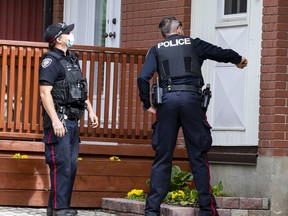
x=61 y=52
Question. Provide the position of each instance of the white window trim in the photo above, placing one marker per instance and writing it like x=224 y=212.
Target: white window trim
x=231 y=19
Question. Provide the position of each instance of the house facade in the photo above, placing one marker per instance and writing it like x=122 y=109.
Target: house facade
x=248 y=111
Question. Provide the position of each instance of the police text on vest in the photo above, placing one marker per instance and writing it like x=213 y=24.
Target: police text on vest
x=170 y=43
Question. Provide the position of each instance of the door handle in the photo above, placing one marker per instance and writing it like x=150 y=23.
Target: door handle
x=112 y=34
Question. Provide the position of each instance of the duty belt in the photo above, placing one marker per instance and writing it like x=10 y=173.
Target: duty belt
x=192 y=88
x=64 y=110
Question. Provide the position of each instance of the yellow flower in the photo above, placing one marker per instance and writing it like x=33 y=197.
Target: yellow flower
x=135 y=192
x=114 y=158
x=181 y=193
x=79 y=158
x=139 y=192
x=175 y=194
x=17 y=155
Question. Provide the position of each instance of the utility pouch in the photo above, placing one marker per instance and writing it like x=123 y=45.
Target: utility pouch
x=75 y=112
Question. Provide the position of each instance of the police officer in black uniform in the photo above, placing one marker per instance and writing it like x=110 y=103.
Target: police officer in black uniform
x=63 y=92
x=178 y=60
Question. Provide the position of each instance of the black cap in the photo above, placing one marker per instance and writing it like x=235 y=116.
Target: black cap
x=55 y=30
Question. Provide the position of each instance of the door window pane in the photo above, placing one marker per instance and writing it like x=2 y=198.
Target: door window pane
x=235 y=6
x=100 y=22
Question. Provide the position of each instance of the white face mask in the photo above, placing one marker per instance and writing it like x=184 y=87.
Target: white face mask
x=71 y=40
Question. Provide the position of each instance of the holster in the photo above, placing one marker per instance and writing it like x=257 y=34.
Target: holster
x=157 y=94
x=206 y=96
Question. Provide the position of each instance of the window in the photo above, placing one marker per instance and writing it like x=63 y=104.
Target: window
x=235 y=7
x=233 y=12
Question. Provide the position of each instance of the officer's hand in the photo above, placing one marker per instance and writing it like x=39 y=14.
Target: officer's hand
x=58 y=127
x=152 y=110
x=243 y=63
x=94 y=120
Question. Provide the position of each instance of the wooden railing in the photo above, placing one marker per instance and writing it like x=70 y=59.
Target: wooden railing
x=112 y=75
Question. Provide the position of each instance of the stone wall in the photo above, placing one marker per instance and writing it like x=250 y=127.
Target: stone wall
x=228 y=206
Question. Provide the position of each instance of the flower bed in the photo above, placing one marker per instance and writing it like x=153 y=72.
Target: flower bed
x=182 y=190
x=182 y=200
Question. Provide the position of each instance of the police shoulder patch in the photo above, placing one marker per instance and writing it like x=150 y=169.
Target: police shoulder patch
x=46 y=62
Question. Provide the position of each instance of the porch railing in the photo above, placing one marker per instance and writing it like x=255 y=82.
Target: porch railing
x=112 y=75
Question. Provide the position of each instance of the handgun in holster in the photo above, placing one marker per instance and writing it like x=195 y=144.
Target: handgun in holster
x=206 y=95
x=62 y=118
x=157 y=93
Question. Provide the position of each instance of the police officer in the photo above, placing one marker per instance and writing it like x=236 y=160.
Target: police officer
x=63 y=92
x=178 y=60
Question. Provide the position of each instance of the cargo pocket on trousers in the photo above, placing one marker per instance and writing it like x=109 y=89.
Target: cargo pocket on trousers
x=155 y=135
x=54 y=153
x=206 y=136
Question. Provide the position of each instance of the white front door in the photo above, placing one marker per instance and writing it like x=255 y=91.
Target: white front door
x=234 y=109
x=97 y=23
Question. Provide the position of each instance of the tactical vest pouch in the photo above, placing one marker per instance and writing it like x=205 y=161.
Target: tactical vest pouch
x=77 y=91
x=84 y=90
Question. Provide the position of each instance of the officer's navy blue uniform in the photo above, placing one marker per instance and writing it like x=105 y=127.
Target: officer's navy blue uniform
x=61 y=154
x=178 y=61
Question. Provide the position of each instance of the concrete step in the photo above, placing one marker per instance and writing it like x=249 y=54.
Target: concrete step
x=227 y=206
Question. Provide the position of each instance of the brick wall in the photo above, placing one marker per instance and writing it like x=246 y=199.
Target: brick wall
x=58 y=8
x=140 y=19
x=273 y=128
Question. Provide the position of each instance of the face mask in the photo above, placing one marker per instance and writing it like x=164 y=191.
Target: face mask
x=71 y=40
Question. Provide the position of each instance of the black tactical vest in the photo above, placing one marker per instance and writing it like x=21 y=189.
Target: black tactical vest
x=176 y=58
x=71 y=91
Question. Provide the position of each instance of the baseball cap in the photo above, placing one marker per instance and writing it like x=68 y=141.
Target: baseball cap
x=55 y=30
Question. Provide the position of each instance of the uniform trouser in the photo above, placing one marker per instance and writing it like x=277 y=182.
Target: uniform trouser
x=181 y=109
x=62 y=158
